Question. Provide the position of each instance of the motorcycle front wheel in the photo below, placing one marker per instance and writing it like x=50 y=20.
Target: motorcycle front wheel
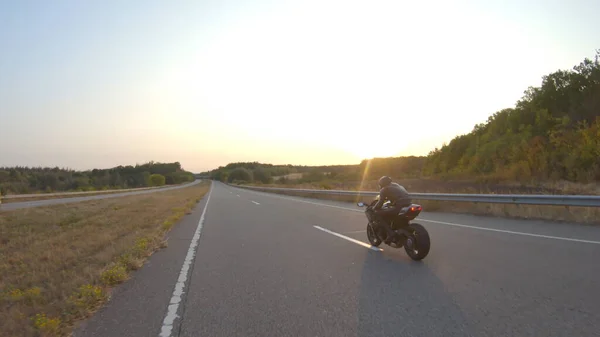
x=374 y=240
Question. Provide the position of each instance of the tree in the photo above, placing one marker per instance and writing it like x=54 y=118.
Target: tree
x=262 y=175
x=157 y=179
x=35 y=179
x=240 y=174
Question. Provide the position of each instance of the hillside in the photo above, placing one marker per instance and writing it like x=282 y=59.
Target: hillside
x=551 y=135
x=20 y=180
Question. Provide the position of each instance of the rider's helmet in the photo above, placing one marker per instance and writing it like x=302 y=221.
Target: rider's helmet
x=384 y=181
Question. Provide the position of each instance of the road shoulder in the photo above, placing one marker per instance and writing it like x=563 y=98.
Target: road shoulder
x=137 y=307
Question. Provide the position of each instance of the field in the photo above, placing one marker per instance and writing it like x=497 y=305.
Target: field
x=58 y=263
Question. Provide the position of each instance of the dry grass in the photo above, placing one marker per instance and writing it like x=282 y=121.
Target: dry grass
x=42 y=196
x=46 y=197
x=291 y=176
x=59 y=262
x=587 y=215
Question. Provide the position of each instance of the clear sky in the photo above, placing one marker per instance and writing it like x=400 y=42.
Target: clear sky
x=95 y=84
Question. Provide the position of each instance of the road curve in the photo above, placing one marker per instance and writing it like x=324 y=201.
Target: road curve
x=262 y=268
x=56 y=201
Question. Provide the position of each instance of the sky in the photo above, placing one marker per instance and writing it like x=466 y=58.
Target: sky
x=97 y=84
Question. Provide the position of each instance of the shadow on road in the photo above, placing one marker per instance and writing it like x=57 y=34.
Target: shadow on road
x=401 y=297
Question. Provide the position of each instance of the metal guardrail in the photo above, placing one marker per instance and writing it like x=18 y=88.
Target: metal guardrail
x=515 y=199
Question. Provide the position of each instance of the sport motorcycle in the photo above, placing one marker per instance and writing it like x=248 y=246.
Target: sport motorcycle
x=412 y=236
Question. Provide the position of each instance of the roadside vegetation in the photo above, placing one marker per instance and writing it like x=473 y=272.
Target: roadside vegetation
x=27 y=180
x=58 y=263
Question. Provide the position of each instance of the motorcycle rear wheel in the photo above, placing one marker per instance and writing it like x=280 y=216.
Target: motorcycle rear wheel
x=417 y=245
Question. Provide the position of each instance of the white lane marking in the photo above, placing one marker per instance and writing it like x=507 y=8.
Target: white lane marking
x=377 y=249
x=441 y=222
x=255 y=202
x=308 y=202
x=238 y=195
x=171 y=315
x=513 y=232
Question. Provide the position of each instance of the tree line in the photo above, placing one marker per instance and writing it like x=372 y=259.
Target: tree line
x=552 y=133
x=245 y=172
x=23 y=180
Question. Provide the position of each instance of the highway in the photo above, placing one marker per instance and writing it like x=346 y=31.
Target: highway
x=56 y=201
x=248 y=263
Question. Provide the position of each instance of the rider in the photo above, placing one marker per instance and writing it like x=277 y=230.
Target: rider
x=398 y=197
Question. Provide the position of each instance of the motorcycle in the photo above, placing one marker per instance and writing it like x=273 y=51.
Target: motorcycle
x=412 y=236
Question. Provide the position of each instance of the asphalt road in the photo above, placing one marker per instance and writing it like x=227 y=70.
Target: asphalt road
x=261 y=268
x=56 y=201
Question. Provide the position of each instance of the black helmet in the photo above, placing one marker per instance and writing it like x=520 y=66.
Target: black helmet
x=384 y=181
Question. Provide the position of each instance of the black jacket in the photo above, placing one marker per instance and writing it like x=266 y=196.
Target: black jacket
x=395 y=193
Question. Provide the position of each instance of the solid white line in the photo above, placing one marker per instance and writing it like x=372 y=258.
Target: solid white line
x=377 y=249
x=171 y=315
x=255 y=202
x=438 y=222
x=512 y=232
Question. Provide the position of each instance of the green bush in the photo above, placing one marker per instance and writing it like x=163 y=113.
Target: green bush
x=157 y=180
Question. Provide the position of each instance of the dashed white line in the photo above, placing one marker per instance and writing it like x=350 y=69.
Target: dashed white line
x=377 y=249
x=278 y=196
x=255 y=202
x=238 y=195
x=167 y=326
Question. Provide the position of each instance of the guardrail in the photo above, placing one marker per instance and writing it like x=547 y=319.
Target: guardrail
x=515 y=199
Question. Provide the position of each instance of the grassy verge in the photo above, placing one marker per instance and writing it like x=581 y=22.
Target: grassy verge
x=43 y=196
x=46 y=197
x=586 y=215
x=59 y=262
